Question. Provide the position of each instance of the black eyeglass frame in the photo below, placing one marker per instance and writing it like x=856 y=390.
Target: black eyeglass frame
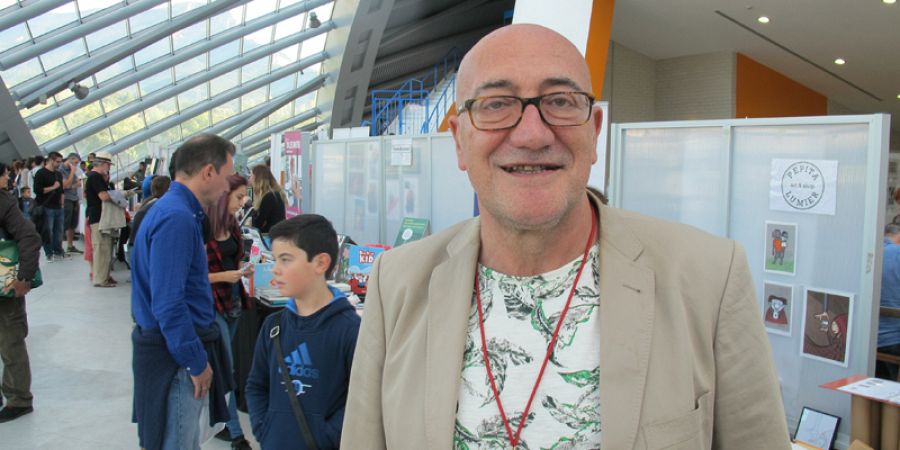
x=525 y=101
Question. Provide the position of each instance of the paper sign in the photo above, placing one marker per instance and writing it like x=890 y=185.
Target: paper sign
x=803 y=186
x=401 y=152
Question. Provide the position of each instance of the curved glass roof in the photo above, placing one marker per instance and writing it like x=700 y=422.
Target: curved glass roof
x=159 y=71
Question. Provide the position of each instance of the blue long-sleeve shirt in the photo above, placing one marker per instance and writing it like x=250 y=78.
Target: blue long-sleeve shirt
x=170 y=288
x=889 y=328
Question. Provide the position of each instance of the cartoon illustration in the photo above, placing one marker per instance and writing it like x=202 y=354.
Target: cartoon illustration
x=827 y=326
x=777 y=301
x=776 y=314
x=781 y=248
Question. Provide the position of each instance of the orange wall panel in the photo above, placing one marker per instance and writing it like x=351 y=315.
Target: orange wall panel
x=763 y=92
x=598 y=42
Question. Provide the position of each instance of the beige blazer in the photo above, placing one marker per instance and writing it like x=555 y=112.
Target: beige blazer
x=685 y=361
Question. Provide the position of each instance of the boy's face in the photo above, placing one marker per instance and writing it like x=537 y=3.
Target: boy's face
x=26 y=193
x=294 y=274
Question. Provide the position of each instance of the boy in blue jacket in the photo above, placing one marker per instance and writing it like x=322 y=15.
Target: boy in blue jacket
x=317 y=333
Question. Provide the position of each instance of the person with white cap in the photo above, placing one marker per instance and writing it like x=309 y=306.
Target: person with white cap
x=95 y=192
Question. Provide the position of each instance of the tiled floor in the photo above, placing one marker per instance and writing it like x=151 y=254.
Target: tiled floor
x=80 y=347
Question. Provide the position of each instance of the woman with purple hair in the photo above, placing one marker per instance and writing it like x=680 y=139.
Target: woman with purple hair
x=224 y=252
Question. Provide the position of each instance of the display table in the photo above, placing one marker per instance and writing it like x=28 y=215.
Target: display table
x=873 y=419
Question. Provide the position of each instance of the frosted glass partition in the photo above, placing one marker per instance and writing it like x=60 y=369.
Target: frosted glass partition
x=688 y=181
x=366 y=191
x=362 y=217
x=451 y=189
x=329 y=181
x=719 y=176
x=407 y=187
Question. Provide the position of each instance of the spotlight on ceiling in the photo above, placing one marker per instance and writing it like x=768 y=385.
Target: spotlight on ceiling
x=314 y=20
x=763 y=19
x=80 y=91
x=840 y=61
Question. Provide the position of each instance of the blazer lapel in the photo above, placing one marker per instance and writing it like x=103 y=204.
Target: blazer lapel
x=626 y=327
x=449 y=303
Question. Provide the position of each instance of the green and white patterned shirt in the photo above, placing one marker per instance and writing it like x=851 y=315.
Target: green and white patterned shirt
x=520 y=314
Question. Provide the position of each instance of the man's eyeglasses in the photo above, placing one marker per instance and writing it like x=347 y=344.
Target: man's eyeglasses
x=500 y=112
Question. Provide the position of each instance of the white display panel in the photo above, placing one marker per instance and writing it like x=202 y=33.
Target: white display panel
x=366 y=186
x=676 y=174
x=661 y=169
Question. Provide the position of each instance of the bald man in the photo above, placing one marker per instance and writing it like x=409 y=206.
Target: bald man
x=553 y=321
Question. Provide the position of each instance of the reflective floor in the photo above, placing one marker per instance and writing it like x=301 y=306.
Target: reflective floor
x=80 y=347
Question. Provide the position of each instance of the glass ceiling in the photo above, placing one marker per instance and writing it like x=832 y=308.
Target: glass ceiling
x=244 y=72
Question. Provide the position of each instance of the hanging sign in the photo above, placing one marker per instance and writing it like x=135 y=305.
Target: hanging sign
x=293 y=172
x=803 y=186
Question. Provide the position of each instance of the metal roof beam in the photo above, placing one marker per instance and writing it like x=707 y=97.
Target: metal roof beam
x=63 y=36
x=185 y=115
x=29 y=11
x=161 y=95
x=109 y=56
x=280 y=126
x=270 y=108
x=262 y=146
x=122 y=81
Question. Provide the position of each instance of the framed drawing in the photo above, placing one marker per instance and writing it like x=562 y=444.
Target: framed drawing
x=817 y=428
x=827 y=325
x=781 y=248
x=778 y=307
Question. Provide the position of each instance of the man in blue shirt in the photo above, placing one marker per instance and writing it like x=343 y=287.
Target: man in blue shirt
x=889 y=328
x=176 y=360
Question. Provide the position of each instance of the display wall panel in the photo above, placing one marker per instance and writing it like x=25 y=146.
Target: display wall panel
x=830 y=246
x=688 y=181
x=454 y=193
x=329 y=177
x=367 y=190
x=362 y=216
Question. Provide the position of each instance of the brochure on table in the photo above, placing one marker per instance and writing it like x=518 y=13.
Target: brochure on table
x=411 y=229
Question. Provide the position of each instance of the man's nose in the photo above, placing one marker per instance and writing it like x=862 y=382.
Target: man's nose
x=531 y=131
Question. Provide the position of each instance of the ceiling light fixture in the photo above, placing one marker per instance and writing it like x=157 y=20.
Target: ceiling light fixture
x=763 y=19
x=314 y=20
x=80 y=91
x=840 y=61
x=889 y=2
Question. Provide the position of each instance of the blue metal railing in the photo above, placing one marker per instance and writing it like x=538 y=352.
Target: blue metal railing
x=435 y=115
x=388 y=104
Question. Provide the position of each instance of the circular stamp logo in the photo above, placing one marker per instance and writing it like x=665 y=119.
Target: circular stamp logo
x=407 y=233
x=802 y=185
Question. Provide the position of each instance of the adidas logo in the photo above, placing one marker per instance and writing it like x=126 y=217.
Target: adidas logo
x=300 y=363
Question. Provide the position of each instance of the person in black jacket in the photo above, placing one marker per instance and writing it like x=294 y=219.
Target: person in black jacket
x=16 y=386
x=268 y=198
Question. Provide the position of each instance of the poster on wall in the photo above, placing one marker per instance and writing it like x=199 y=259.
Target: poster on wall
x=781 y=248
x=803 y=186
x=827 y=322
x=892 y=208
x=293 y=172
x=778 y=302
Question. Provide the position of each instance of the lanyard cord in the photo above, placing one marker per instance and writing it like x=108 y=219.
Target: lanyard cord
x=514 y=439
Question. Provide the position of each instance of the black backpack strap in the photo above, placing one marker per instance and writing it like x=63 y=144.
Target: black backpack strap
x=274 y=333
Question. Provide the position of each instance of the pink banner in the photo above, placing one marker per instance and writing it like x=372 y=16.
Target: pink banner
x=293 y=144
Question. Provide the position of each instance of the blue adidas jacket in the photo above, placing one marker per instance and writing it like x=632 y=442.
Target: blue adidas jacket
x=318 y=351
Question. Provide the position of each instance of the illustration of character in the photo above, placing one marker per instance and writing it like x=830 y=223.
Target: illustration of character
x=775 y=313
x=784 y=242
x=776 y=245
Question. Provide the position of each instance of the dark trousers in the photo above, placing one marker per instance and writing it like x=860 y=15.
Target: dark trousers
x=886 y=370
x=16 y=385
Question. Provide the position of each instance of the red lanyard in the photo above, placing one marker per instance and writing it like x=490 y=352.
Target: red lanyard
x=514 y=439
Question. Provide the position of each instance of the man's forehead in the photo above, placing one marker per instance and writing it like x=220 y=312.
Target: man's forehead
x=517 y=86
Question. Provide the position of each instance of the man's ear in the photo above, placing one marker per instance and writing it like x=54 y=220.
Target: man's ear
x=453 y=122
